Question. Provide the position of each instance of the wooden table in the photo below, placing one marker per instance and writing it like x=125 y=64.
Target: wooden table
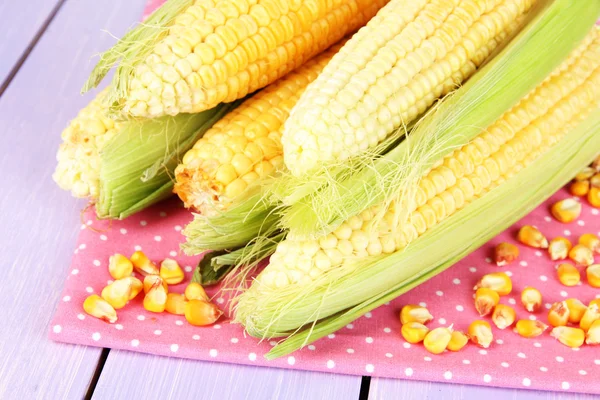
x=46 y=50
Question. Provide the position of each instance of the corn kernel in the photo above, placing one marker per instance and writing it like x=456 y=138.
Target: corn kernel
x=595 y=181
x=558 y=315
x=480 y=333
x=117 y=294
x=593 y=275
x=593 y=334
x=437 y=340
x=156 y=298
x=566 y=211
x=532 y=237
x=201 y=313
x=457 y=341
x=505 y=253
x=576 y=310
x=119 y=266
x=590 y=241
x=175 y=304
x=593 y=197
x=414 y=313
x=569 y=336
x=531 y=299
x=153 y=280
x=595 y=302
x=559 y=248
x=143 y=265
x=414 y=332
x=585 y=174
x=580 y=188
x=581 y=255
x=195 y=291
x=485 y=300
x=97 y=307
x=568 y=275
x=529 y=329
x=504 y=316
x=591 y=315
x=497 y=281
x=171 y=272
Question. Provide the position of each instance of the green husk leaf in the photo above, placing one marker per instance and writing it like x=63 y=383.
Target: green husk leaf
x=205 y=273
x=385 y=278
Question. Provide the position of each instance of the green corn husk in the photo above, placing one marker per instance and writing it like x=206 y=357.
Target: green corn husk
x=385 y=278
x=556 y=28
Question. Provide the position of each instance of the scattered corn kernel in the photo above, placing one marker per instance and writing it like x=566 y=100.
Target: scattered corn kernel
x=595 y=180
x=590 y=241
x=529 y=329
x=559 y=248
x=531 y=299
x=171 y=272
x=143 y=265
x=156 y=298
x=580 y=188
x=175 y=303
x=195 y=291
x=119 y=266
x=437 y=340
x=497 y=281
x=457 y=341
x=152 y=280
x=414 y=332
x=581 y=255
x=591 y=315
x=415 y=313
x=568 y=275
x=504 y=316
x=97 y=307
x=480 y=333
x=567 y=210
x=531 y=236
x=593 y=275
x=593 y=333
x=576 y=310
x=569 y=336
x=117 y=294
x=485 y=300
x=201 y=313
x=558 y=315
x=593 y=196
x=136 y=286
x=585 y=174
x=505 y=253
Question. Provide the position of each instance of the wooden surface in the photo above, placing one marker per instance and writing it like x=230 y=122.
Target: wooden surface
x=40 y=224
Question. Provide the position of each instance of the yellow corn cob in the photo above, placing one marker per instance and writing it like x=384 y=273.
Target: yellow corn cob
x=245 y=145
x=219 y=51
x=391 y=71
x=514 y=141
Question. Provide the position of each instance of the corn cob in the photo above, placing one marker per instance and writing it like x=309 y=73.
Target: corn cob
x=193 y=55
x=245 y=145
x=391 y=71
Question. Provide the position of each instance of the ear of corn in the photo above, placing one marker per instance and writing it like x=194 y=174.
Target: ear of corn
x=191 y=55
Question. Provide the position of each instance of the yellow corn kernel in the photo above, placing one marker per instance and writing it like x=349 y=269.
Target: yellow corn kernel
x=531 y=299
x=497 y=281
x=414 y=332
x=153 y=280
x=593 y=197
x=559 y=248
x=156 y=298
x=117 y=294
x=171 y=272
x=585 y=174
x=505 y=253
x=532 y=237
x=576 y=310
x=119 y=266
x=201 y=313
x=175 y=303
x=581 y=255
x=591 y=315
x=195 y=291
x=568 y=275
x=566 y=211
x=457 y=341
x=593 y=334
x=558 y=315
x=480 y=333
x=593 y=275
x=485 y=300
x=590 y=241
x=415 y=313
x=437 y=340
x=595 y=181
x=136 y=286
x=504 y=316
x=97 y=307
x=569 y=336
x=579 y=188
x=142 y=264
x=529 y=329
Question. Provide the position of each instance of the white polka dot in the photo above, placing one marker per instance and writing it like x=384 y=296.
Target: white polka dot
x=370 y=367
x=523 y=263
x=89 y=289
x=119 y=327
x=57 y=329
x=543 y=278
x=442 y=321
x=483 y=352
x=162 y=214
x=369 y=339
x=135 y=343
x=82 y=227
x=448 y=375
x=96 y=263
x=439 y=293
x=575 y=348
x=331 y=336
x=466 y=362
x=252 y=356
x=582 y=372
x=143 y=223
x=234 y=340
x=547 y=219
x=157 y=238
x=580 y=223
x=291 y=360
x=460 y=308
x=272 y=343
x=82 y=246
x=174 y=348
x=543 y=369
x=109 y=282
x=81 y=317
x=196 y=337
x=137 y=247
x=368 y=315
x=521 y=355
x=89 y=222
x=512 y=301
x=508 y=273
x=487 y=378
x=423 y=304
x=595 y=212
x=567 y=232
x=220 y=300
x=213 y=353
x=387 y=330
x=499 y=341
x=538 y=253
x=179 y=323
x=330 y=364
x=406 y=345
x=350 y=351
x=123 y=231
x=67 y=298
x=473 y=269
x=141 y=317
x=526 y=382
x=173 y=253
x=311 y=347
x=389 y=355
x=74 y=272
x=158 y=332
x=597 y=362
x=456 y=281
x=408 y=371
x=427 y=358
x=177 y=228
x=548 y=306
x=560 y=359
x=488 y=260
x=565 y=385
x=349 y=326
x=505 y=364
x=537 y=344
x=103 y=237
x=96 y=336
x=563 y=293
x=532 y=317
x=216 y=326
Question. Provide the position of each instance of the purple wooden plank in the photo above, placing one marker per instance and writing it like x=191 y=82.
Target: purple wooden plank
x=40 y=222
x=128 y=375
